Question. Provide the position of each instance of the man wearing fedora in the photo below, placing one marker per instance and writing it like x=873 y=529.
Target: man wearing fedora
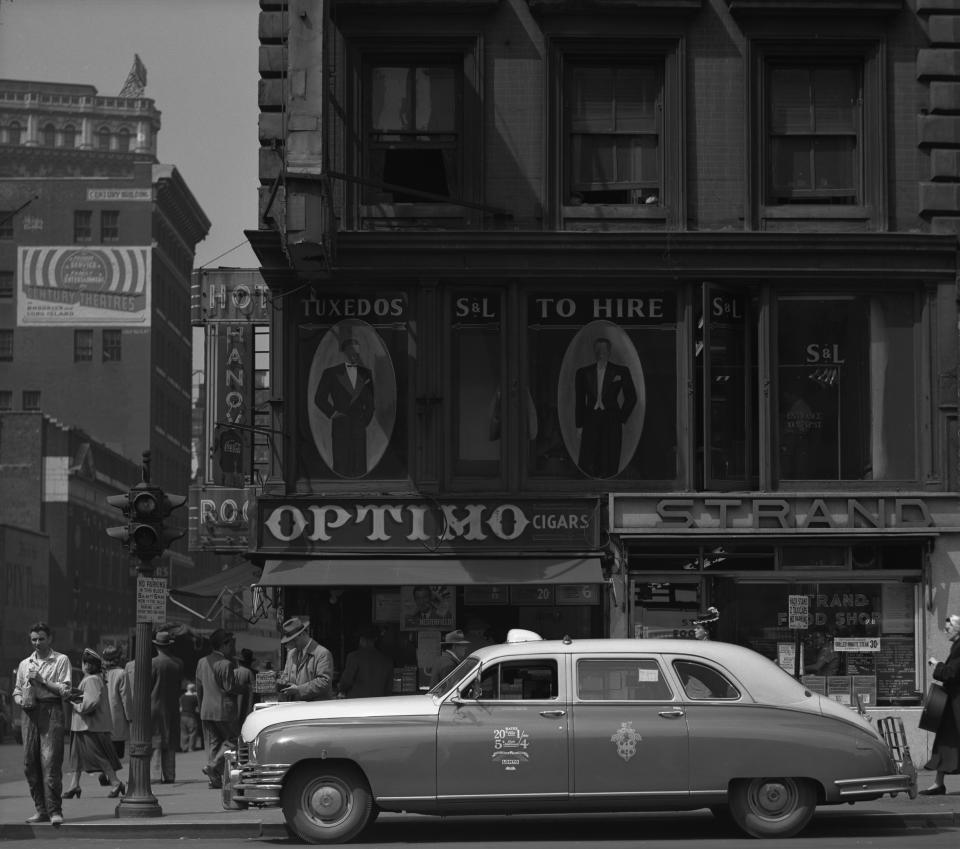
x=308 y=673
x=217 y=691
x=457 y=646
x=167 y=673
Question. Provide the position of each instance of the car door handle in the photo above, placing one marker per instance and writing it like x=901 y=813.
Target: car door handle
x=553 y=713
x=676 y=713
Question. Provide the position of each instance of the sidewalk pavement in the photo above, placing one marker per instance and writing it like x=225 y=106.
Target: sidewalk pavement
x=191 y=809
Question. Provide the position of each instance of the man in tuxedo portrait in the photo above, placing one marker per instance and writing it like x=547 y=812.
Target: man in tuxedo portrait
x=345 y=396
x=604 y=397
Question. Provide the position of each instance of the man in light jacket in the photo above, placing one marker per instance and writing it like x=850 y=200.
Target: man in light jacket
x=308 y=673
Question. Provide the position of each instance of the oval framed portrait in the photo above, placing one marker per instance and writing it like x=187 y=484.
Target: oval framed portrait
x=624 y=367
x=351 y=398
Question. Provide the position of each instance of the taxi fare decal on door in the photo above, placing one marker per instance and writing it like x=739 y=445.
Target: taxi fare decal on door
x=626 y=738
x=510 y=746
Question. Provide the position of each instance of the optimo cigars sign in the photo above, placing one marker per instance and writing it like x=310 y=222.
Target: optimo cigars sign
x=834 y=514
x=412 y=526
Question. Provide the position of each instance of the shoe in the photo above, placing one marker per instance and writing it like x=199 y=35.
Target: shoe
x=104 y=781
x=56 y=820
x=37 y=818
x=936 y=790
x=74 y=793
x=119 y=790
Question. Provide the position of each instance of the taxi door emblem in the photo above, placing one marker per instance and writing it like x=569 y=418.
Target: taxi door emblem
x=626 y=739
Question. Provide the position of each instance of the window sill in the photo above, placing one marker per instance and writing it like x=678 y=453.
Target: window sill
x=616 y=211
x=812 y=210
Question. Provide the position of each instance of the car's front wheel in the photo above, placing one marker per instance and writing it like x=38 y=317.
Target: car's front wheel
x=772 y=807
x=327 y=803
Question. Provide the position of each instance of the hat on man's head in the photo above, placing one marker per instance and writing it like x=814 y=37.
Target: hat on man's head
x=455 y=638
x=163 y=638
x=292 y=629
x=219 y=637
x=246 y=656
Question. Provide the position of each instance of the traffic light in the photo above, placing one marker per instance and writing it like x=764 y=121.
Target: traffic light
x=146 y=507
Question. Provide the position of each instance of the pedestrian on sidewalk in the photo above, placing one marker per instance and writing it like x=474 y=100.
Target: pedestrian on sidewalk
x=367 y=671
x=217 y=690
x=43 y=680
x=166 y=677
x=308 y=673
x=190 y=739
x=945 y=755
x=457 y=645
x=246 y=677
x=91 y=749
x=119 y=698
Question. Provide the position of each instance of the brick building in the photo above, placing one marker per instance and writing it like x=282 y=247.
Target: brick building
x=737 y=217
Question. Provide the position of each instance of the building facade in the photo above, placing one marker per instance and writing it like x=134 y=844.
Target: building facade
x=590 y=315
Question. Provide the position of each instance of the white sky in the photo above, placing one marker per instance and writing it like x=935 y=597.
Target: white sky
x=201 y=59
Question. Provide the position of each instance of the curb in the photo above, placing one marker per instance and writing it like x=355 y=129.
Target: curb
x=253 y=829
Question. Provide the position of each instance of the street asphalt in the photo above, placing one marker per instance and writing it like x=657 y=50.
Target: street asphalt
x=191 y=809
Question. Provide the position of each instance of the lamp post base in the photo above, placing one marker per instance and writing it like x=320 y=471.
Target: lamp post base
x=138 y=807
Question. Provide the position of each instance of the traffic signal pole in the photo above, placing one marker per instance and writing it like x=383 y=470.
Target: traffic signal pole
x=145 y=536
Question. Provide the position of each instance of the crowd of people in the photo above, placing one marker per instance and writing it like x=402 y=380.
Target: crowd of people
x=72 y=730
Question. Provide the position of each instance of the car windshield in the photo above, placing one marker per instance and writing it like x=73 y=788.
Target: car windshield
x=467 y=665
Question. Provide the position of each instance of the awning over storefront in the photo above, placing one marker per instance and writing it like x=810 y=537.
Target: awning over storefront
x=441 y=570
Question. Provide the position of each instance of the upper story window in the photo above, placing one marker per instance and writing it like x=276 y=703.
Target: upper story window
x=103 y=138
x=82 y=346
x=109 y=225
x=31 y=399
x=6 y=223
x=6 y=285
x=6 y=399
x=14 y=133
x=814 y=150
x=123 y=140
x=414 y=130
x=614 y=134
x=49 y=135
x=82 y=225
x=69 y=136
x=617 y=131
x=818 y=118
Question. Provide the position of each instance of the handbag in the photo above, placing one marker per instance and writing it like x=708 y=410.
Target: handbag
x=934 y=704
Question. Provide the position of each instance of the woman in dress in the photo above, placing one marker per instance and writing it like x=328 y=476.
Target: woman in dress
x=945 y=756
x=91 y=749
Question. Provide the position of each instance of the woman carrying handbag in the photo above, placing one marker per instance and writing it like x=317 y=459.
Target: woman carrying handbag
x=945 y=756
x=91 y=749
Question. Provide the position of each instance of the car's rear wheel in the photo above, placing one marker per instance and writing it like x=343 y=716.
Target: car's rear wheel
x=772 y=807
x=327 y=803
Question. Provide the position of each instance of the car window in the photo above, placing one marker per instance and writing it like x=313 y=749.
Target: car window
x=703 y=682
x=622 y=679
x=535 y=678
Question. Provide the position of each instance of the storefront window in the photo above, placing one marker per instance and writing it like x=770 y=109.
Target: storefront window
x=353 y=357
x=602 y=380
x=847 y=398
x=476 y=384
x=859 y=642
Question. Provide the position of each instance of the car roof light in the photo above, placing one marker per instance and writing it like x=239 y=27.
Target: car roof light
x=521 y=635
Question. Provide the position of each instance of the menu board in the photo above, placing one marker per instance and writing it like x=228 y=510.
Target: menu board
x=896 y=665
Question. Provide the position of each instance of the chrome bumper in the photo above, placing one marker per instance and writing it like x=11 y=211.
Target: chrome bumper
x=855 y=789
x=252 y=784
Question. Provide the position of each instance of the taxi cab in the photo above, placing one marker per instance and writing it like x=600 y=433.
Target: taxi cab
x=537 y=726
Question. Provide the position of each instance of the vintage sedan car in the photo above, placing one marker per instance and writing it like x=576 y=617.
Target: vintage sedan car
x=534 y=726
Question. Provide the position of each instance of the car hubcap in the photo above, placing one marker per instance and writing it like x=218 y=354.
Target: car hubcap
x=328 y=801
x=772 y=798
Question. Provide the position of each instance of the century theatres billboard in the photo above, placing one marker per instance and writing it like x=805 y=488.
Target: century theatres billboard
x=79 y=286
x=313 y=526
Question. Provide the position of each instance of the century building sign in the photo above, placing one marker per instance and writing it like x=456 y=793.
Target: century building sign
x=412 y=526
x=784 y=514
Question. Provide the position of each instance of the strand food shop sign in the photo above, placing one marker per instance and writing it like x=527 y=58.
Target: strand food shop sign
x=413 y=526
x=835 y=514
